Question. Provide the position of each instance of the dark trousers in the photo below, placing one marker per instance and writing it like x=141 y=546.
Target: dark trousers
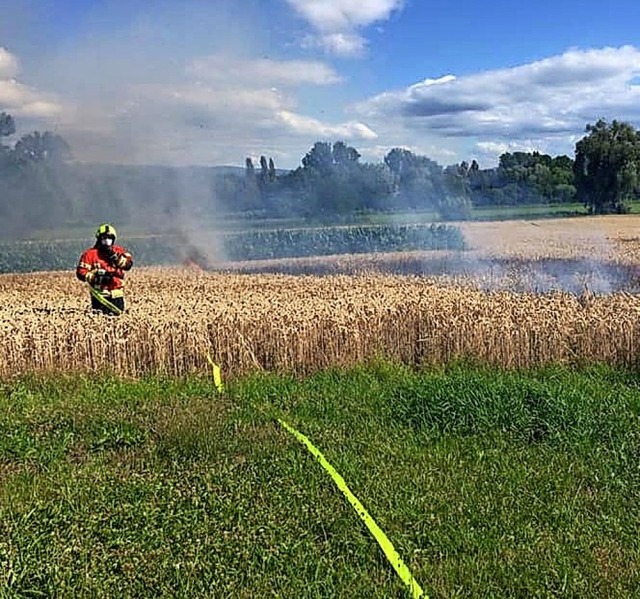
x=118 y=302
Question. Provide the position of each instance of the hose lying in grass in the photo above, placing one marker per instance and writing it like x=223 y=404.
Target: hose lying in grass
x=389 y=550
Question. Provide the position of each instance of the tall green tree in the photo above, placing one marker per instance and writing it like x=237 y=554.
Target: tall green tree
x=344 y=156
x=319 y=157
x=606 y=166
x=247 y=193
x=7 y=127
x=419 y=182
x=264 y=169
x=7 y=124
x=455 y=203
x=249 y=169
x=330 y=180
x=40 y=147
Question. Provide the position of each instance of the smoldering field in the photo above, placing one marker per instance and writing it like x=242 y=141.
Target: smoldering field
x=527 y=294
x=597 y=255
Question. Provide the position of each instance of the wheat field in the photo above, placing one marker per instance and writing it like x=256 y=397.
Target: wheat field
x=249 y=321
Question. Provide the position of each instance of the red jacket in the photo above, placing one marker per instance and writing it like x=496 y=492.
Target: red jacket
x=109 y=278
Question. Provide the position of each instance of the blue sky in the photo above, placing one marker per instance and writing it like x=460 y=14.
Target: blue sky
x=212 y=82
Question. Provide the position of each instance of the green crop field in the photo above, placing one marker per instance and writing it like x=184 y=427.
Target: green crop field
x=153 y=250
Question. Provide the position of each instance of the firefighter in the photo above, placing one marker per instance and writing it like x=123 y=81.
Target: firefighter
x=103 y=267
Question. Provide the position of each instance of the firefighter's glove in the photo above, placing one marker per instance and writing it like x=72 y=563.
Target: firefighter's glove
x=118 y=260
x=98 y=277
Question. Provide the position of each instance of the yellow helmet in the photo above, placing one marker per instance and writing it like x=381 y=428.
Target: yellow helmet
x=106 y=229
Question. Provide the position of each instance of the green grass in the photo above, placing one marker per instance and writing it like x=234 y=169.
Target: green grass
x=239 y=222
x=489 y=483
x=533 y=211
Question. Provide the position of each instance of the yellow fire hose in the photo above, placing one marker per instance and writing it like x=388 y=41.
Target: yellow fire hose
x=385 y=544
x=378 y=534
x=104 y=301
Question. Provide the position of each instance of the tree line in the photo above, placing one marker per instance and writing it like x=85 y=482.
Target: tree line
x=41 y=187
x=603 y=176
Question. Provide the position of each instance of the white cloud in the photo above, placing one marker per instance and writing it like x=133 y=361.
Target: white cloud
x=215 y=121
x=492 y=150
x=341 y=15
x=8 y=64
x=215 y=100
x=262 y=71
x=342 y=44
x=18 y=99
x=554 y=97
x=337 y=22
x=309 y=126
x=222 y=102
x=187 y=83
